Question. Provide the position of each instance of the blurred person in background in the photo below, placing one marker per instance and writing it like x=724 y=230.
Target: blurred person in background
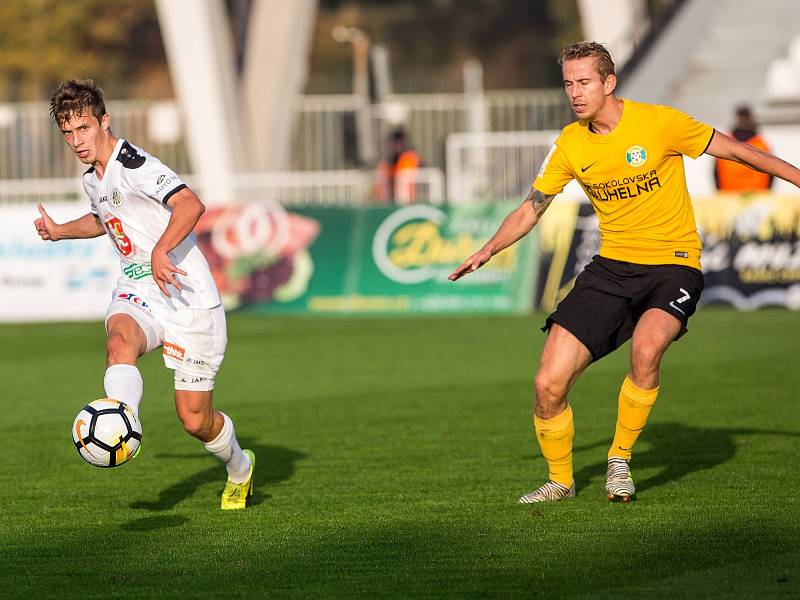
x=645 y=282
x=396 y=177
x=731 y=176
x=165 y=296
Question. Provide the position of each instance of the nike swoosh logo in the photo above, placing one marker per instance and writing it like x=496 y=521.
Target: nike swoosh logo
x=80 y=423
x=672 y=304
x=587 y=167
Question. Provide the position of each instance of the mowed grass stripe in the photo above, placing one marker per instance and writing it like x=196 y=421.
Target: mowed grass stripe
x=391 y=453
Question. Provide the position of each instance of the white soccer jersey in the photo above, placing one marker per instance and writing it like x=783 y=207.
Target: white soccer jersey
x=131 y=202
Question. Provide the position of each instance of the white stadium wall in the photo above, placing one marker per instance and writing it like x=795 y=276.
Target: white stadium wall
x=52 y=281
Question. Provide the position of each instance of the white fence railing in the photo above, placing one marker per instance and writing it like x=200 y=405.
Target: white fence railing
x=480 y=167
x=324 y=129
x=31 y=147
x=36 y=164
x=420 y=185
x=30 y=191
x=292 y=188
x=324 y=135
x=325 y=125
x=494 y=166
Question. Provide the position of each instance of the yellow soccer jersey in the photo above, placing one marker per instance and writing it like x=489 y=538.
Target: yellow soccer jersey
x=635 y=179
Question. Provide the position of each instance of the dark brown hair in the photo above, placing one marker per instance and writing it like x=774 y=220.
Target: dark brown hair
x=76 y=97
x=584 y=49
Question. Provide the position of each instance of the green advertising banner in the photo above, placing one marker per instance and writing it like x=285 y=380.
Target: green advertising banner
x=365 y=260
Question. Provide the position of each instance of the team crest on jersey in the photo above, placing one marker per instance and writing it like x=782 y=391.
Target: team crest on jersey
x=636 y=156
x=116 y=197
x=118 y=235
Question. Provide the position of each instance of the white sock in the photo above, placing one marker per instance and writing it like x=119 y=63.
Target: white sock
x=124 y=383
x=226 y=448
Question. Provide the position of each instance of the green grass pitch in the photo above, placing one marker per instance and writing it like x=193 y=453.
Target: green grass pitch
x=390 y=457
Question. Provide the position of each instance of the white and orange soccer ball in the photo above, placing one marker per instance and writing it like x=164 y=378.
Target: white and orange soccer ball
x=106 y=433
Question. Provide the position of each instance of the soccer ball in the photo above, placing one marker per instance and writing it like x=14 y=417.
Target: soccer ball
x=106 y=433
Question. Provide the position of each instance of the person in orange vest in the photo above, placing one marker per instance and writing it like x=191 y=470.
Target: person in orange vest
x=730 y=176
x=397 y=175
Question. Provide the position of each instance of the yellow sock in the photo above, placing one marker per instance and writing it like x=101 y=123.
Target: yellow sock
x=555 y=439
x=633 y=409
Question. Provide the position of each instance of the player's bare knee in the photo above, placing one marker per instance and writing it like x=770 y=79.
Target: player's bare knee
x=550 y=391
x=193 y=427
x=198 y=425
x=120 y=350
x=645 y=361
x=646 y=353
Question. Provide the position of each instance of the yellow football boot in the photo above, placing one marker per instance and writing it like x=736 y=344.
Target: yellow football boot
x=236 y=495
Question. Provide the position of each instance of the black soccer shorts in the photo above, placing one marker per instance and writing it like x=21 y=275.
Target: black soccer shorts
x=610 y=296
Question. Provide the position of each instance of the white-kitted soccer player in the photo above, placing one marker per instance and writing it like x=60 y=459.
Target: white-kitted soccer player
x=165 y=296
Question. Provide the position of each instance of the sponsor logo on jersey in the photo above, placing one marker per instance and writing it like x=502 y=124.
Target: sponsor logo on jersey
x=134 y=299
x=184 y=379
x=116 y=197
x=195 y=361
x=160 y=179
x=164 y=183
x=624 y=187
x=173 y=351
x=102 y=199
x=137 y=271
x=117 y=233
x=636 y=156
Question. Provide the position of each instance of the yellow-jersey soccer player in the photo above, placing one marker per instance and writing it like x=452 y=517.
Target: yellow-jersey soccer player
x=645 y=282
x=634 y=178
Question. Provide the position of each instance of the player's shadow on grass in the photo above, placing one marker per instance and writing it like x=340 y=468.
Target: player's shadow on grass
x=675 y=451
x=156 y=522
x=273 y=465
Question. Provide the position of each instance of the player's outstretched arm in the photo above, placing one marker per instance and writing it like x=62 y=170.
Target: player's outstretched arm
x=515 y=226
x=87 y=226
x=723 y=146
x=186 y=211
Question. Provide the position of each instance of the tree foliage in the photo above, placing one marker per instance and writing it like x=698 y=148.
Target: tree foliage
x=515 y=40
x=43 y=42
x=118 y=43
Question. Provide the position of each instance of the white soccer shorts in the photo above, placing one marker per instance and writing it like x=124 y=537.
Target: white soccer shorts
x=193 y=341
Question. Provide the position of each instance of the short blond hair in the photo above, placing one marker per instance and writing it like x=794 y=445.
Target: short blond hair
x=584 y=49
